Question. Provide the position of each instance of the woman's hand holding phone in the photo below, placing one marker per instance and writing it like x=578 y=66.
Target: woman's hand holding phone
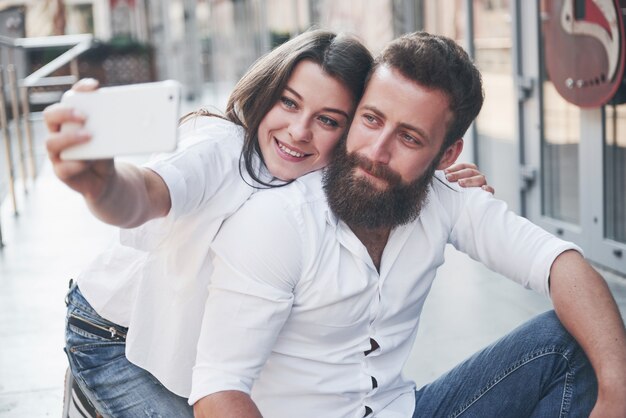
x=119 y=194
x=87 y=177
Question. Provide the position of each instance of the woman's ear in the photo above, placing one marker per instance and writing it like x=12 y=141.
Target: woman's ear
x=451 y=154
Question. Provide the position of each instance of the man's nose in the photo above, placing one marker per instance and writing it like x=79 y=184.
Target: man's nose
x=379 y=150
x=300 y=129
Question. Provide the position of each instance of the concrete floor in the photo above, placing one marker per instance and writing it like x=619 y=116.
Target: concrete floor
x=54 y=237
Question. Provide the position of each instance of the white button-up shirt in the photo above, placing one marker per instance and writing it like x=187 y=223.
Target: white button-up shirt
x=295 y=299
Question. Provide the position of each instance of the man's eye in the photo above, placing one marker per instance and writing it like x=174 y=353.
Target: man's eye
x=410 y=139
x=369 y=118
x=287 y=102
x=328 y=121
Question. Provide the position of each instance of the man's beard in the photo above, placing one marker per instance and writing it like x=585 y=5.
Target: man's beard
x=360 y=204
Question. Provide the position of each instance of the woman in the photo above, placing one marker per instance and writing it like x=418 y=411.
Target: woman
x=283 y=118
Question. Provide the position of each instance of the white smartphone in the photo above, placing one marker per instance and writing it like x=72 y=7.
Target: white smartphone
x=125 y=120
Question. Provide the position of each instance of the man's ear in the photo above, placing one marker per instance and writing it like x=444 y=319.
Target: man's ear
x=451 y=154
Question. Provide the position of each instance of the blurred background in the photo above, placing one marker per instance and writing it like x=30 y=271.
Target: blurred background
x=560 y=165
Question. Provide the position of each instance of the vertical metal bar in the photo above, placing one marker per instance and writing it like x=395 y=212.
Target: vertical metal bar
x=398 y=17
x=409 y=8
x=471 y=51
x=16 y=120
x=519 y=75
x=419 y=15
x=266 y=42
x=296 y=17
x=29 y=134
x=541 y=113
x=314 y=18
x=74 y=67
x=1 y=240
x=404 y=16
x=191 y=52
x=611 y=211
x=469 y=29
x=7 y=141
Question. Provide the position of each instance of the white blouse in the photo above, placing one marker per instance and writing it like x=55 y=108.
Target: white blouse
x=155 y=280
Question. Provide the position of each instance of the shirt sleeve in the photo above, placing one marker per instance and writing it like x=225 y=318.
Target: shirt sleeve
x=257 y=262
x=208 y=153
x=505 y=242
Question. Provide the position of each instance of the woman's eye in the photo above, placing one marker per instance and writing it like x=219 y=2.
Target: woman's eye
x=328 y=121
x=288 y=103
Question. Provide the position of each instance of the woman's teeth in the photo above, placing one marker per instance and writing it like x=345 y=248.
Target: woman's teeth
x=290 y=151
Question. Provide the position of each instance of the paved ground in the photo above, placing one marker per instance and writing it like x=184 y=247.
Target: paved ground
x=54 y=237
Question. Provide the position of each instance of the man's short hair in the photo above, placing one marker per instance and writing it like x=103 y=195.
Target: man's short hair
x=438 y=62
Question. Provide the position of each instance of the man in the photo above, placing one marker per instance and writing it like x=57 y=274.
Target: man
x=316 y=295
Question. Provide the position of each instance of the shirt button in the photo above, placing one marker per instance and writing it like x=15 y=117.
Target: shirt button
x=368 y=410
x=374 y=383
x=374 y=346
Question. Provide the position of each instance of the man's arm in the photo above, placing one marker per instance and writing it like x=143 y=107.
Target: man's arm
x=514 y=247
x=230 y=403
x=257 y=263
x=585 y=306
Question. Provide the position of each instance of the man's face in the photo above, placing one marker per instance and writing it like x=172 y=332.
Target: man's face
x=379 y=177
x=399 y=126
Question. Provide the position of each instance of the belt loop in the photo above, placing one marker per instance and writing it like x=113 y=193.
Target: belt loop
x=67 y=295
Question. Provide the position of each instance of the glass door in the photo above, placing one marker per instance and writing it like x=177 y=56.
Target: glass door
x=560 y=173
x=580 y=157
x=615 y=174
x=496 y=125
x=557 y=134
x=609 y=238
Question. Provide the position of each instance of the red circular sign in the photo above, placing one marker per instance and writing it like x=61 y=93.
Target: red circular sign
x=584 y=49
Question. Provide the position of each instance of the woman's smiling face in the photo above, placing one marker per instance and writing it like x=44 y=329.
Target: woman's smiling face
x=300 y=131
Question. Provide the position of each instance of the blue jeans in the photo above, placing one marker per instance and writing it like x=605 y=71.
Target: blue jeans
x=116 y=387
x=538 y=370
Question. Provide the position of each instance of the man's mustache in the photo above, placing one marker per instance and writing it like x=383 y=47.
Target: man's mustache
x=377 y=170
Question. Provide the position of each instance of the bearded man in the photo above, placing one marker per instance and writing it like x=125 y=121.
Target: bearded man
x=318 y=287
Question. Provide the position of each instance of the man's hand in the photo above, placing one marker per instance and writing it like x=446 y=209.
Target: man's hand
x=230 y=403
x=468 y=175
x=612 y=406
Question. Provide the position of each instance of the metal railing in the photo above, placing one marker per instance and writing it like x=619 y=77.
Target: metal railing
x=19 y=91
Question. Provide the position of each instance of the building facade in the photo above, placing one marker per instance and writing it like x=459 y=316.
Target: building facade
x=560 y=165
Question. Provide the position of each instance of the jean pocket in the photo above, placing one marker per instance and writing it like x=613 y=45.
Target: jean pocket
x=92 y=342
x=95 y=327
x=96 y=355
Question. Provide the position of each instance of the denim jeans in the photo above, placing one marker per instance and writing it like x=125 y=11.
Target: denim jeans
x=116 y=387
x=538 y=370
